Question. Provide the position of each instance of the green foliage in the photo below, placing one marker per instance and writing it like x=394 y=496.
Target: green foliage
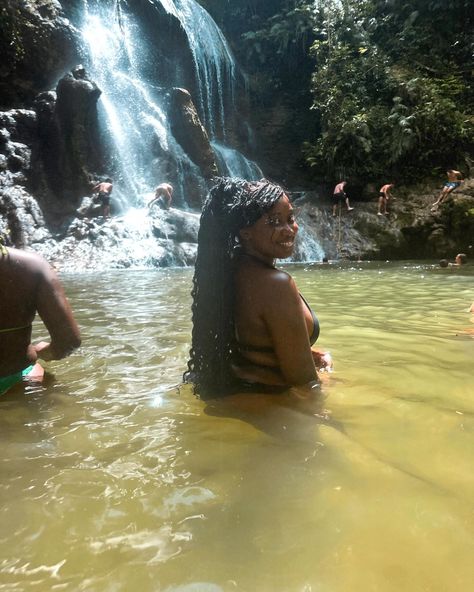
x=390 y=81
x=384 y=106
x=280 y=34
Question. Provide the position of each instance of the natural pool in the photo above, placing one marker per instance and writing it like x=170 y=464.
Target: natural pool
x=111 y=479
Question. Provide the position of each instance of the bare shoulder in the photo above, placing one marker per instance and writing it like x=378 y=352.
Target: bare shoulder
x=31 y=263
x=264 y=281
x=274 y=287
x=33 y=260
x=281 y=288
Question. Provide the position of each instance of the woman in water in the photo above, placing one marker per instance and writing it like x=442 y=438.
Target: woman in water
x=252 y=329
x=28 y=285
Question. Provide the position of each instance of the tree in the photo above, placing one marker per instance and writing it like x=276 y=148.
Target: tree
x=383 y=104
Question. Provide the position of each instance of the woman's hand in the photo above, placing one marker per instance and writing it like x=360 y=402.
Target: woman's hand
x=43 y=351
x=322 y=360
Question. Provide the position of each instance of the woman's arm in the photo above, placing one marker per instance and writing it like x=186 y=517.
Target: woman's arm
x=55 y=311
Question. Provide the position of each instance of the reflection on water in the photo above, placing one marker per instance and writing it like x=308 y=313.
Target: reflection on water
x=112 y=479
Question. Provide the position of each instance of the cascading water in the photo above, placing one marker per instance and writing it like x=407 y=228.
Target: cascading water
x=216 y=69
x=307 y=247
x=233 y=163
x=133 y=108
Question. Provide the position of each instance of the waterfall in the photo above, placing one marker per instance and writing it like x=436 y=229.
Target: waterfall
x=308 y=247
x=233 y=163
x=132 y=110
x=215 y=66
x=133 y=105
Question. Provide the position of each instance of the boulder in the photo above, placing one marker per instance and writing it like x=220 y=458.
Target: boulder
x=75 y=128
x=98 y=244
x=36 y=44
x=190 y=133
x=176 y=225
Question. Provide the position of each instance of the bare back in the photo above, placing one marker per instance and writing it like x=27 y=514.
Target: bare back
x=269 y=313
x=28 y=285
x=104 y=187
x=453 y=176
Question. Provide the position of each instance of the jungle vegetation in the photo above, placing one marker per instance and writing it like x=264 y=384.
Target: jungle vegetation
x=386 y=85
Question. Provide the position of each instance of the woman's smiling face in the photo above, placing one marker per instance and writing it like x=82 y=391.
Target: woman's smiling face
x=273 y=235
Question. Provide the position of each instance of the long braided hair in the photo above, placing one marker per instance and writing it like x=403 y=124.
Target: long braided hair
x=232 y=204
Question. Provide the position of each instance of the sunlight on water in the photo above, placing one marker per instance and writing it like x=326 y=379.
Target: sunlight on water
x=114 y=479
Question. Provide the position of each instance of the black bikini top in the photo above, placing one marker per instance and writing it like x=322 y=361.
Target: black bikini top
x=268 y=349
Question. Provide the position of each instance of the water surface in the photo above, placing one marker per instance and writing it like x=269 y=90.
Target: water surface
x=112 y=479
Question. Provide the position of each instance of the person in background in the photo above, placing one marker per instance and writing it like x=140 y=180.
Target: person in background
x=384 y=196
x=252 y=329
x=443 y=263
x=163 y=196
x=28 y=286
x=104 y=189
x=460 y=259
x=339 y=196
x=451 y=184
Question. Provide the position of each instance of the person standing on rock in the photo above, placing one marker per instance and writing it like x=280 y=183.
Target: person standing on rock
x=163 y=196
x=384 y=196
x=28 y=286
x=451 y=184
x=104 y=189
x=339 y=195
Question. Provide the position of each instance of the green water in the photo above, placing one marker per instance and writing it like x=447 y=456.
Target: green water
x=111 y=479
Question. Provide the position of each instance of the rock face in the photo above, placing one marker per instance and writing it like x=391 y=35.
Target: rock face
x=21 y=216
x=161 y=238
x=37 y=44
x=190 y=133
x=410 y=231
x=69 y=138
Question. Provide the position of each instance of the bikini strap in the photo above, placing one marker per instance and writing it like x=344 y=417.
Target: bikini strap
x=15 y=329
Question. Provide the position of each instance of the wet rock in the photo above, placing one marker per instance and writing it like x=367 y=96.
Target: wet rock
x=37 y=43
x=22 y=216
x=78 y=150
x=90 y=207
x=17 y=135
x=98 y=244
x=175 y=225
x=190 y=133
